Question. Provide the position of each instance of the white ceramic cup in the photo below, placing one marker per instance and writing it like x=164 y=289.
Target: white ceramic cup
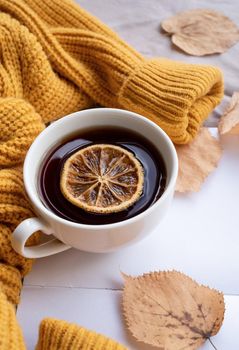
x=91 y=238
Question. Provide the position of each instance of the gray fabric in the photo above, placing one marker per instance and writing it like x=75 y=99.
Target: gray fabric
x=138 y=22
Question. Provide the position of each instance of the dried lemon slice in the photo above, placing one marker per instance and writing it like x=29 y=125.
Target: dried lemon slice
x=102 y=179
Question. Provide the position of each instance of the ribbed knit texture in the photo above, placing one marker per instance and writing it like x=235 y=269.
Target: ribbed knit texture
x=55 y=59
x=56 y=334
x=101 y=68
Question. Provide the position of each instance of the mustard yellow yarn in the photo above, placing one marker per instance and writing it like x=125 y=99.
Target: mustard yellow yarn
x=95 y=66
x=10 y=333
x=57 y=334
x=55 y=59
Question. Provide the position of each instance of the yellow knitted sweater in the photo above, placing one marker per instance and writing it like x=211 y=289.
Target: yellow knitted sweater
x=55 y=58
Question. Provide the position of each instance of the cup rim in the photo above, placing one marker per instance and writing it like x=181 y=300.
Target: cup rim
x=47 y=212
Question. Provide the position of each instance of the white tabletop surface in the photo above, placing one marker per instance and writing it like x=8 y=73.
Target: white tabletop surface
x=198 y=237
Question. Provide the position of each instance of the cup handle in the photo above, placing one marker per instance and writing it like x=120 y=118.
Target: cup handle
x=25 y=229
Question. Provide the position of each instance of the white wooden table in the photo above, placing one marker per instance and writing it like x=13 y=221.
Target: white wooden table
x=198 y=237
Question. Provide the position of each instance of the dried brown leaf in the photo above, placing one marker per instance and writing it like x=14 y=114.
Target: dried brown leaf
x=197 y=160
x=229 y=122
x=171 y=311
x=202 y=32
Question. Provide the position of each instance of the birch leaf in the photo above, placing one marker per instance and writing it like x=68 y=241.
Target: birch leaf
x=197 y=160
x=202 y=32
x=171 y=311
x=229 y=122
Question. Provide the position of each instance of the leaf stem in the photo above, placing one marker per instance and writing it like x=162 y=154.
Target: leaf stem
x=214 y=347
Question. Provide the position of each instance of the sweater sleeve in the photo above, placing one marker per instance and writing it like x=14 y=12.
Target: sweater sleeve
x=175 y=95
x=60 y=335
